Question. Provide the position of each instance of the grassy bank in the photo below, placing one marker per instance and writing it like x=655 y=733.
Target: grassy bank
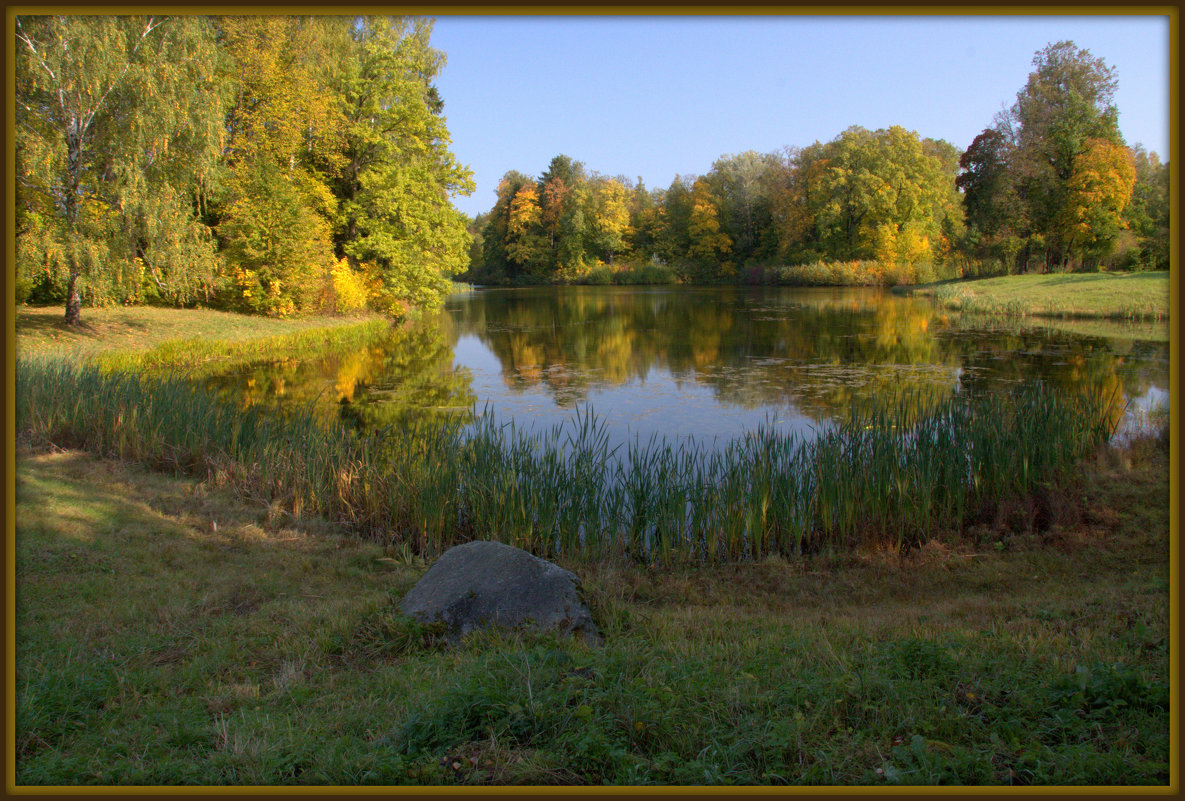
x=1119 y=296
x=195 y=342
x=887 y=476
x=169 y=633
x=42 y=329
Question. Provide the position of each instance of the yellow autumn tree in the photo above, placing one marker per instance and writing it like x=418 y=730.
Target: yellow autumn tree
x=524 y=235
x=1099 y=189
x=610 y=223
x=710 y=247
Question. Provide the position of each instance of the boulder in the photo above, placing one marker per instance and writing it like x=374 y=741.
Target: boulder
x=481 y=584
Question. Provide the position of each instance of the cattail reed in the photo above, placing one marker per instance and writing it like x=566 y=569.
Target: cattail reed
x=889 y=474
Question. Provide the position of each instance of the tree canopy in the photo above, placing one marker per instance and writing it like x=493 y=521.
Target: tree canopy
x=274 y=164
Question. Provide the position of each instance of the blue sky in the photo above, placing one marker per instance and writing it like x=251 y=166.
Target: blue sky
x=658 y=96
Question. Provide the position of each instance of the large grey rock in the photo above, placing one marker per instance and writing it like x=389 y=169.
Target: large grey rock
x=481 y=584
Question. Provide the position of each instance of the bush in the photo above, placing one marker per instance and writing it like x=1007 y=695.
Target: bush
x=649 y=273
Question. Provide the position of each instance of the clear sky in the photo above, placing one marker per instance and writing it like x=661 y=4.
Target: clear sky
x=659 y=96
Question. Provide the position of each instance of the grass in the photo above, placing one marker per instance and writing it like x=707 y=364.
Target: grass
x=200 y=625
x=170 y=633
x=1117 y=296
x=888 y=475
x=136 y=329
x=192 y=342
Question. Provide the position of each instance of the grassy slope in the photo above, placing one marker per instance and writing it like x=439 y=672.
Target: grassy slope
x=167 y=633
x=1102 y=295
x=41 y=329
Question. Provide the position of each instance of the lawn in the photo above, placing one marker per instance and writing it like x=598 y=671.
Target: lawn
x=169 y=633
x=1128 y=296
x=41 y=329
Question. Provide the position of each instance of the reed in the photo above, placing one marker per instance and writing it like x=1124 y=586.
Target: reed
x=890 y=474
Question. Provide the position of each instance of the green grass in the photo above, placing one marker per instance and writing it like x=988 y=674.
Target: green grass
x=169 y=633
x=194 y=342
x=1119 y=296
x=42 y=329
x=221 y=622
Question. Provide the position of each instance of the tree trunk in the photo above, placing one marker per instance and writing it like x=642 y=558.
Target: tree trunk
x=73 y=300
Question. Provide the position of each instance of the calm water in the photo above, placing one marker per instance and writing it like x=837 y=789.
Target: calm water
x=703 y=362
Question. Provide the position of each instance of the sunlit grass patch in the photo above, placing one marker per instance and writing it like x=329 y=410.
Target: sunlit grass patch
x=1120 y=296
x=141 y=328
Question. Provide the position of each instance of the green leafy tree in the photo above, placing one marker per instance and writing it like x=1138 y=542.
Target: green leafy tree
x=672 y=237
x=564 y=200
x=644 y=218
x=1067 y=102
x=885 y=194
x=743 y=183
x=275 y=222
x=399 y=175
x=1147 y=215
x=118 y=121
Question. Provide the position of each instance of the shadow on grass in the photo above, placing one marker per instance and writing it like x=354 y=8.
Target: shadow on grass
x=48 y=324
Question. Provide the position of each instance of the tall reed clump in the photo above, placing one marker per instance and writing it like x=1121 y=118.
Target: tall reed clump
x=888 y=474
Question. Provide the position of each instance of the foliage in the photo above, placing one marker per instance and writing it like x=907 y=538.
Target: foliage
x=1049 y=183
x=399 y=173
x=233 y=160
x=118 y=128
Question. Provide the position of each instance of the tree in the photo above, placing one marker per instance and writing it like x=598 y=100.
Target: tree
x=1067 y=102
x=672 y=239
x=709 y=246
x=524 y=238
x=1098 y=191
x=1147 y=215
x=988 y=183
x=564 y=198
x=496 y=234
x=884 y=194
x=276 y=221
x=643 y=225
x=610 y=219
x=743 y=186
x=278 y=247
x=399 y=174
x=117 y=124
x=795 y=189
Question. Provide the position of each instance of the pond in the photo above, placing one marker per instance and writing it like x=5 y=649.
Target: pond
x=709 y=363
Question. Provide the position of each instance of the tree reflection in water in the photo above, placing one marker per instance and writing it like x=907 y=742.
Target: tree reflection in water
x=705 y=361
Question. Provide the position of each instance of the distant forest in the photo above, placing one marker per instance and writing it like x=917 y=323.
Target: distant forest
x=1050 y=185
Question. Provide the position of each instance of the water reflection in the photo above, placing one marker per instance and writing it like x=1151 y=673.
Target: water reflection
x=405 y=373
x=709 y=362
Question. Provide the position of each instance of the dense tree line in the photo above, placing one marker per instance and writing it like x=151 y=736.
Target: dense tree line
x=1050 y=185
x=273 y=164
